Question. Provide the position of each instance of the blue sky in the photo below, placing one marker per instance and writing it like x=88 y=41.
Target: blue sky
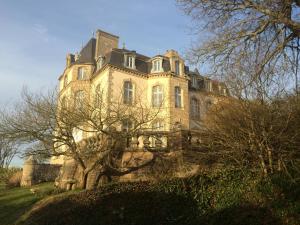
x=36 y=35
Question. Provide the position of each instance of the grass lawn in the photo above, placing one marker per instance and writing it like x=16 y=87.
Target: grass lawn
x=16 y=201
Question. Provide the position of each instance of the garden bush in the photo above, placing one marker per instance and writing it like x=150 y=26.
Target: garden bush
x=14 y=180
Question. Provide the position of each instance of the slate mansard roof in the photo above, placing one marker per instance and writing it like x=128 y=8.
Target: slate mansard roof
x=143 y=63
x=116 y=57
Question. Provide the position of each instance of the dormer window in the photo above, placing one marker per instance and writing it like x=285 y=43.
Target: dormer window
x=208 y=85
x=177 y=67
x=157 y=66
x=194 y=82
x=129 y=61
x=81 y=73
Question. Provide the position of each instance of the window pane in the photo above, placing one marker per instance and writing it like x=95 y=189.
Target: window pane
x=177 y=70
x=156 y=65
x=177 y=97
x=195 y=109
x=127 y=125
x=128 y=92
x=81 y=73
x=157 y=96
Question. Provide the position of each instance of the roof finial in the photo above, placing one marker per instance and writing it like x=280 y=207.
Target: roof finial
x=93 y=33
x=123 y=45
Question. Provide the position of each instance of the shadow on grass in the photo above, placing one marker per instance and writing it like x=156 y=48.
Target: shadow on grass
x=142 y=208
x=242 y=215
x=118 y=208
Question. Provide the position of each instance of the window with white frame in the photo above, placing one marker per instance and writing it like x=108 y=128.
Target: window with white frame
x=81 y=73
x=195 y=109
x=130 y=61
x=156 y=65
x=157 y=96
x=178 y=103
x=79 y=99
x=127 y=92
x=177 y=67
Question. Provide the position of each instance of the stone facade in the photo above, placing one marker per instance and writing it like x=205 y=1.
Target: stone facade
x=186 y=96
x=105 y=64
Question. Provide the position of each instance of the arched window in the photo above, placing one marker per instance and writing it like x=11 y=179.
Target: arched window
x=195 y=109
x=127 y=92
x=157 y=96
x=81 y=73
x=79 y=99
x=178 y=103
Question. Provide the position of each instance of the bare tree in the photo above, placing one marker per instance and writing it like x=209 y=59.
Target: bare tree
x=255 y=134
x=84 y=129
x=8 y=150
x=267 y=31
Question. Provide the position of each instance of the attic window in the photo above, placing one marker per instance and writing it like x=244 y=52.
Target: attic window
x=156 y=65
x=177 y=67
x=194 y=81
x=81 y=73
x=130 y=61
x=208 y=85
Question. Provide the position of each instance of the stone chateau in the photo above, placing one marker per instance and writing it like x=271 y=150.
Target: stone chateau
x=164 y=79
x=162 y=82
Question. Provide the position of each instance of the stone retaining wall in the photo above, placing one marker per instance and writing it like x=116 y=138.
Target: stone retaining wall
x=34 y=172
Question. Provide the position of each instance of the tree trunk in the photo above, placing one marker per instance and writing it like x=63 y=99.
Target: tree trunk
x=84 y=178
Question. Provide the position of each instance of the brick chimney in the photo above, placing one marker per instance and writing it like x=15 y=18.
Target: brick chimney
x=105 y=42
